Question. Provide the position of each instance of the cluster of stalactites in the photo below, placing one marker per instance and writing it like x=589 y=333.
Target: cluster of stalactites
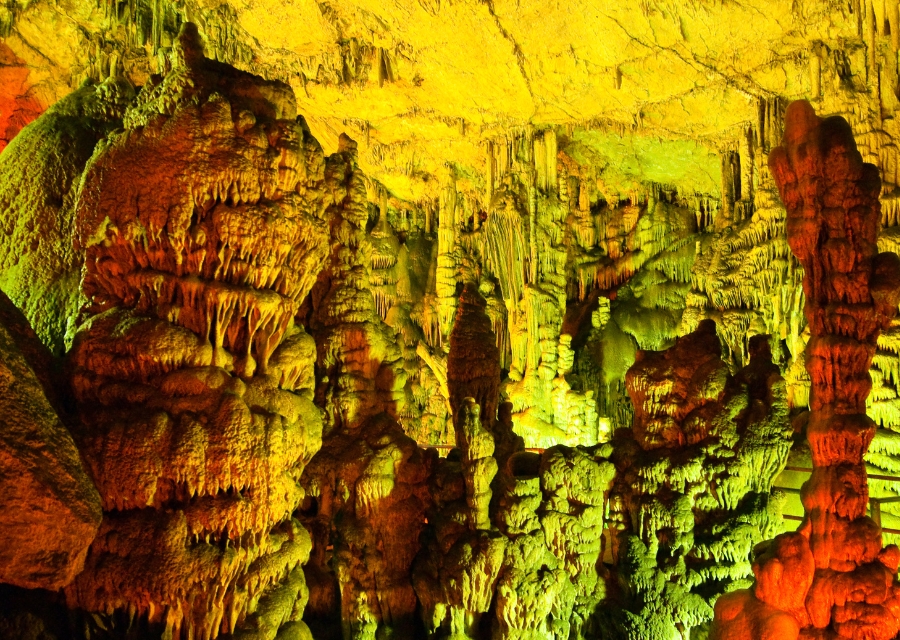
x=227 y=249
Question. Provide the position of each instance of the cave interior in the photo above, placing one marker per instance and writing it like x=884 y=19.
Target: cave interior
x=449 y=320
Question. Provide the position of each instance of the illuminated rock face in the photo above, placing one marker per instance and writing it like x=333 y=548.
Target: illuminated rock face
x=694 y=477
x=366 y=486
x=833 y=578
x=423 y=83
x=49 y=509
x=271 y=339
x=509 y=531
x=39 y=267
x=202 y=229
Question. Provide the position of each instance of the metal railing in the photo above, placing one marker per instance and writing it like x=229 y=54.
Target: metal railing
x=874 y=503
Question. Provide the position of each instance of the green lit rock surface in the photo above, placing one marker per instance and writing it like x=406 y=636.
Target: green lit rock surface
x=39 y=174
x=694 y=477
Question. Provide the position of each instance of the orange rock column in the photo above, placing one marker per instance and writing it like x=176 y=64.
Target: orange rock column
x=833 y=578
x=851 y=292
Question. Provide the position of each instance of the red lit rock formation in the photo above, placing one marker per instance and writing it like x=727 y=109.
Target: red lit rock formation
x=833 y=578
x=666 y=387
x=473 y=381
x=456 y=573
x=473 y=371
x=360 y=362
x=473 y=364
x=49 y=509
x=18 y=103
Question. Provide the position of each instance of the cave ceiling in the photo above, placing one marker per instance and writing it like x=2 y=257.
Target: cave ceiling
x=647 y=91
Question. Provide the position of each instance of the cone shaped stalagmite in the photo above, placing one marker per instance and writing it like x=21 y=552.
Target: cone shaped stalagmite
x=832 y=578
x=473 y=379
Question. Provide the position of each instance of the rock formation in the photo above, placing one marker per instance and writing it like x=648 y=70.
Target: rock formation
x=200 y=225
x=694 y=477
x=366 y=485
x=464 y=361
x=49 y=509
x=39 y=266
x=833 y=577
x=525 y=542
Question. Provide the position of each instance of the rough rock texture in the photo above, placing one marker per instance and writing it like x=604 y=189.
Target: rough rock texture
x=367 y=484
x=478 y=271
x=423 y=83
x=39 y=171
x=19 y=105
x=615 y=189
x=367 y=502
x=49 y=508
x=200 y=226
x=693 y=481
x=833 y=578
x=528 y=545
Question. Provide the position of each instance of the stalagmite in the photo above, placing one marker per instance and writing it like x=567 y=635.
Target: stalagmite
x=833 y=576
x=365 y=487
x=528 y=544
x=193 y=424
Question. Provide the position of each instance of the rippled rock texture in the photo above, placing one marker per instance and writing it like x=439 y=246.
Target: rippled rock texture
x=202 y=229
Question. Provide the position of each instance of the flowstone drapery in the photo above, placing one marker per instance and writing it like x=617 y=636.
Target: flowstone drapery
x=200 y=226
x=833 y=578
x=694 y=477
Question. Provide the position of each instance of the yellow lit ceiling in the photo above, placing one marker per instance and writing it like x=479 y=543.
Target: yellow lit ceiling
x=422 y=84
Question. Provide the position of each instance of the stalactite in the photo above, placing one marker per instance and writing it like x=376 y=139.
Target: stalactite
x=446 y=268
x=505 y=249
